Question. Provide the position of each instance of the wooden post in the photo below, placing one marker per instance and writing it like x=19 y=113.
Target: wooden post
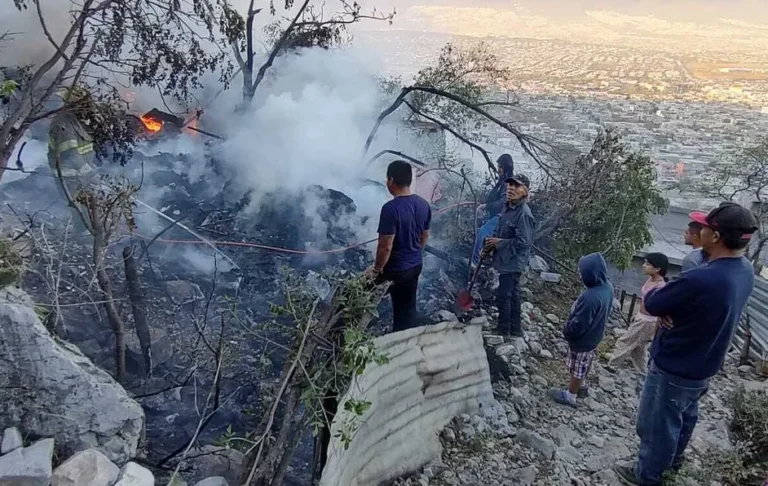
x=138 y=307
x=632 y=307
x=744 y=358
x=621 y=301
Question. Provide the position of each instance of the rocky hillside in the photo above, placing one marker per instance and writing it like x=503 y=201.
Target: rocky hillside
x=548 y=444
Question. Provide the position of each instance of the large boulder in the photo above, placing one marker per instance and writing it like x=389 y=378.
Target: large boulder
x=86 y=468
x=51 y=390
x=30 y=466
x=217 y=481
x=135 y=475
x=11 y=440
x=212 y=461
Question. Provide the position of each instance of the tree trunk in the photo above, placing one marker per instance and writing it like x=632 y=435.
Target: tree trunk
x=248 y=91
x=266 y=472
x=138 y=307
x=299 y=425
x=6 y=148
x=99 y=253
x=5 y=155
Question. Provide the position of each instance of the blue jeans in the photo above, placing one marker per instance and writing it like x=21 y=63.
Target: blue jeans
x=508 y=302
x=669 y=409
x=483 y=232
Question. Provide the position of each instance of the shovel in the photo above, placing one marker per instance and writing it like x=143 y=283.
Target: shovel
x=464 y=300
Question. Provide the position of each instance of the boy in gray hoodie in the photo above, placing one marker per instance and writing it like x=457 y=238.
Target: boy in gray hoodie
x=585 y=327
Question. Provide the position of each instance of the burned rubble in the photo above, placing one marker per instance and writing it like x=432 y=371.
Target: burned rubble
x=210 y=257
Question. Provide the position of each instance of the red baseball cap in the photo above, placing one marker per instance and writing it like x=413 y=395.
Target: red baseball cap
x=699 y=217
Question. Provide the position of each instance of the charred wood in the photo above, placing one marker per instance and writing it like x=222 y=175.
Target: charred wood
x=138 y=307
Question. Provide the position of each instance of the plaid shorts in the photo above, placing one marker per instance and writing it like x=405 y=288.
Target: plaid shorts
x=579 y=364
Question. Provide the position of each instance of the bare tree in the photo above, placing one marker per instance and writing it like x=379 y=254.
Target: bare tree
x=307 y=26
x=454 y=94
x=104 y=208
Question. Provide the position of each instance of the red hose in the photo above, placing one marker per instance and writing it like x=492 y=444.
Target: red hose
x=282 y=250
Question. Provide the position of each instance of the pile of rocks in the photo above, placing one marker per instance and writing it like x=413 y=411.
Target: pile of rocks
x=541 y=443
x=33 y=466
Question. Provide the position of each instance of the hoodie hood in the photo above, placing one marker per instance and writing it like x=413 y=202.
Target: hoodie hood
x=594 y=270
x=507 y=164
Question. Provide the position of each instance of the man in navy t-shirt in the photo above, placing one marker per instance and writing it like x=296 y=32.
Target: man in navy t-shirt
x=403 y=233
x=699 y=311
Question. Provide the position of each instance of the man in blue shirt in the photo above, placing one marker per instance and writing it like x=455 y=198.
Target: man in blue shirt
x=699 y=311
x=403 y=234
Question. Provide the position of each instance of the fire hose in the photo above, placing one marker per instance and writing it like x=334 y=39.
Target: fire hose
x=215 y=244
x=200 y=239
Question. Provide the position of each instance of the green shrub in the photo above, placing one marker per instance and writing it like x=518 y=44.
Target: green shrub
x=750 y=424
x=11 y=264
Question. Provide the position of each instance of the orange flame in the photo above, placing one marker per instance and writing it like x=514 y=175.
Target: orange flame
x=152 y=124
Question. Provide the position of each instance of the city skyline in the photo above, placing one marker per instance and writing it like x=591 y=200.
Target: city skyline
x=680 y=10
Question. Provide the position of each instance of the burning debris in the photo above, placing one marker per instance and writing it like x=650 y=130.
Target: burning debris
x=151 y=124
x=156 y=121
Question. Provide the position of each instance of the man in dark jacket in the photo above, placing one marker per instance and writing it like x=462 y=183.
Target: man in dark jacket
x=699 y=310
x=494 y=204
x=511 y=244
x=585 y=327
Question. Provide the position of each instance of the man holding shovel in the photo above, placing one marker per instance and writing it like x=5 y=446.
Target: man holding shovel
x=511 y=246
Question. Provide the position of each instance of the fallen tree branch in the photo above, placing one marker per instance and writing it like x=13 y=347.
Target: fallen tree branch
x=203 y=419
x=532 y=146
x=456 y=134
x=279 y=395
x=145 y=248
x=398 y=154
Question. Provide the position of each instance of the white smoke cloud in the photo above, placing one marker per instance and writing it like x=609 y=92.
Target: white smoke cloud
x=308 y=126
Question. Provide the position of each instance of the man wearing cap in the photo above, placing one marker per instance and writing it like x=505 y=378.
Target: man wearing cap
x=692 y=238
x=699 y=310
x=511 y=243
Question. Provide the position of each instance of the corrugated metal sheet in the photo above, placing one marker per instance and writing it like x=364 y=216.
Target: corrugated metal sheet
x=757 y=318
x=434 y=374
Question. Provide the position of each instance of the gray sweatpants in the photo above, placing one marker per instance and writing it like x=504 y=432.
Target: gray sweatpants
x=633 y=344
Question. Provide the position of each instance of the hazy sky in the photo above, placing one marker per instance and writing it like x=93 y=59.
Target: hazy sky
x=695 y=10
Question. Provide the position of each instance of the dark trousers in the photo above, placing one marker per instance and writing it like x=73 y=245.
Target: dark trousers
x=508 y=302
x=403 y=290
x=668 y=412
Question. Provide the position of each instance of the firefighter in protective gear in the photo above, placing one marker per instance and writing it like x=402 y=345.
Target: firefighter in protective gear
x=70 y=147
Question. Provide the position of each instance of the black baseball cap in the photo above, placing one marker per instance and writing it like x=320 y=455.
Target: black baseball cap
x=729 y=217
x=519 y=179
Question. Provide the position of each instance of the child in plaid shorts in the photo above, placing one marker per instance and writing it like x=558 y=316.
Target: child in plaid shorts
x=585 y=326
x=579 y=363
